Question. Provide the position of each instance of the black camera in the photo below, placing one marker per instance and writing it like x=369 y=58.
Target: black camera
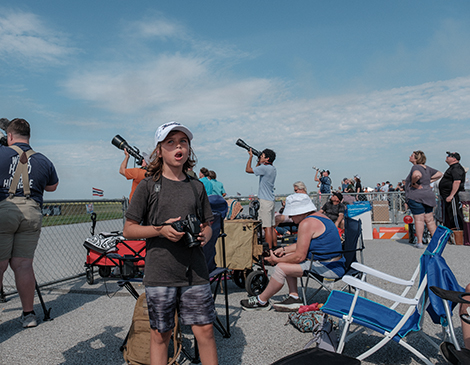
x=122 y=144
x=191 y=226
x=3 y=137
x=320 y=170
x=242 y=144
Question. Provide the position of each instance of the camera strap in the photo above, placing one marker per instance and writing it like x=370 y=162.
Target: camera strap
x=21 y=170
x=199 y=212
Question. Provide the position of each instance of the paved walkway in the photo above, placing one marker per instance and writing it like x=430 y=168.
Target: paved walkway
x=90 y=322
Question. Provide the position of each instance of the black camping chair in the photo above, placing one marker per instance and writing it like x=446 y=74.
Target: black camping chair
x=218 y=274
x=352 y=244
x=451 y=350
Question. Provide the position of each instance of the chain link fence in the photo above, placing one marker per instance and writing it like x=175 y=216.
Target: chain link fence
x=387 y=208
x=60 y=254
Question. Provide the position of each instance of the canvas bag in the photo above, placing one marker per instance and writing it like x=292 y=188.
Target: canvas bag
x=136 y=350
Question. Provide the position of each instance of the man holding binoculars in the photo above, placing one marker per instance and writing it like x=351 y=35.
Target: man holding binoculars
x=267 y=176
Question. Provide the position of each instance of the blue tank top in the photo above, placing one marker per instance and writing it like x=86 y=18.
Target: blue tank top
x=328 y=241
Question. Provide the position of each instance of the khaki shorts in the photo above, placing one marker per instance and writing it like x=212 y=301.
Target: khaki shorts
x=266 y=213
x=20 y=227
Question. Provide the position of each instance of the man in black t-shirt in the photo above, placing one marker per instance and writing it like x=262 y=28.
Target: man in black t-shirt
x=449 y=187
x=334 y=209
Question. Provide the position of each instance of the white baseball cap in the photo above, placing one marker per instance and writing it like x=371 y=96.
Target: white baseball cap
x=298 y=204
x=166 y=128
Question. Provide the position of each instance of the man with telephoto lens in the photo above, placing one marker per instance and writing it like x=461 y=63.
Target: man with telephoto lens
x=267 y=176
x=20 y=210
x=136 y=174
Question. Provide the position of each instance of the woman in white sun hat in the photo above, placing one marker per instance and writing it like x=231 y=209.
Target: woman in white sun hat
x=316 y=233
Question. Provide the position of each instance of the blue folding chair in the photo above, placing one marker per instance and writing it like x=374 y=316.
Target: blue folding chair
x=392 y=325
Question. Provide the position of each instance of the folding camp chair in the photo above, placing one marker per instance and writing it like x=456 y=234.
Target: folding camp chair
x=386 y=320
x=353 y=243
x=451 y=350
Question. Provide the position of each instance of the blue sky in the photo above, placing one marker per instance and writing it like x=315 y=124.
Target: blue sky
x=349 y=86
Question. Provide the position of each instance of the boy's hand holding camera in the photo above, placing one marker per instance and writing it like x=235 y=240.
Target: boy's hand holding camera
x=167 y=231
x=175 y=232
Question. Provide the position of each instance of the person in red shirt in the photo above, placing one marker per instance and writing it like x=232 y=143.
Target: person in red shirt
x=136 y=174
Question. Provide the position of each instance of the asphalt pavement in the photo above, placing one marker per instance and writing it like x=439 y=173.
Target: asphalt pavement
x=89 y=322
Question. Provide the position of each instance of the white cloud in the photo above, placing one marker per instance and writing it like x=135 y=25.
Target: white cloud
x=365 y=133
x=157 y=27
x=25 y=39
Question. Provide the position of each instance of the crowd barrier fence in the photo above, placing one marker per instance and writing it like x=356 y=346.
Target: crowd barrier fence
x=60 y=254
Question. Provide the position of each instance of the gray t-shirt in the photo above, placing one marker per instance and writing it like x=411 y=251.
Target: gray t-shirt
x=267 y=177
x=168 y=263
x=425 y=195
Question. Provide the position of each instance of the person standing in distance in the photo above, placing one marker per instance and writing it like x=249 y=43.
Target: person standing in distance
x=20 y=208
x=217 y=186
x=450 y=185
x=204 y=178
x=267 y=176
x=324 y=180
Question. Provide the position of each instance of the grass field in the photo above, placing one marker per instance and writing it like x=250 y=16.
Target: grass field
x=72 y=213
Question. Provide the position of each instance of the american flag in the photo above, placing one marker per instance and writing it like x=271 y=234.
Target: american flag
x=97 y=192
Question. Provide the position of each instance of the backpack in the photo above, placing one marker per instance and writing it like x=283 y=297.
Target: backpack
x=306 y=321
x=321 y=326
x=136 y=349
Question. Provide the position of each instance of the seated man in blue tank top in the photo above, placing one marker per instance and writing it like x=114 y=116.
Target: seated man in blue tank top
x=316 y=234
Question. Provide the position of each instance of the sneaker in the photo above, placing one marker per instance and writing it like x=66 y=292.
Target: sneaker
x=29 y=320
x=418 y=245
x=3 y=297
x=252 y=304
x=289 y=304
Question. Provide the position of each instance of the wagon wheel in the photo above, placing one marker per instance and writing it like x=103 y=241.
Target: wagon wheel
x=238 y=277
x=89 y=275
x=104 y=271
x=256 y=282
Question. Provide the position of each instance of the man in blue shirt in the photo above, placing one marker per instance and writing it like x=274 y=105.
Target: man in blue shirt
x=325 y=181
x=267 y=176
x=20 y=209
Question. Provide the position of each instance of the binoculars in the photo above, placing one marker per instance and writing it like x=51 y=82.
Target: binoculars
x=242 y=144
x=122 y=144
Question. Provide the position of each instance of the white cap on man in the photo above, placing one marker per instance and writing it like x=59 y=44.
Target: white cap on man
x=298 y=204
x=166 y=128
